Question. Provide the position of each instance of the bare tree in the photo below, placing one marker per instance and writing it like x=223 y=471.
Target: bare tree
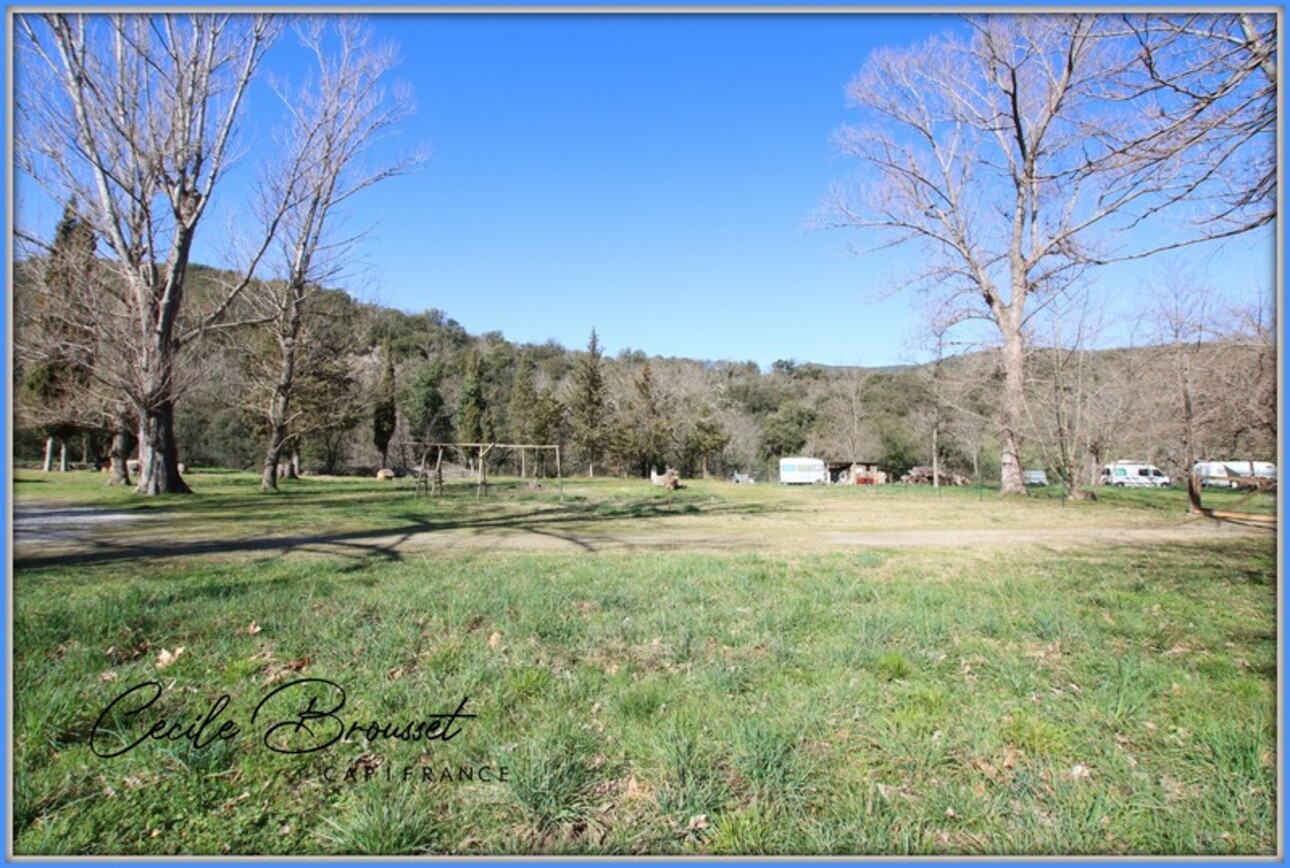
x=1065 y=387
x=1209 y=82
x=1182 y=317
x=335 y=120
x=132 y=116
x=1011 y=157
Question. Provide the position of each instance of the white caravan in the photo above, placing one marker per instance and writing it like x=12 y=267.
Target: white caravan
x=1235 y=474
x=802 y=471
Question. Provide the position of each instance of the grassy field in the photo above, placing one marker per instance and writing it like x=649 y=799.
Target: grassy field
x=723 y=670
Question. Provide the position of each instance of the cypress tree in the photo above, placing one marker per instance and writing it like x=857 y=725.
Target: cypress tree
x=590 y=414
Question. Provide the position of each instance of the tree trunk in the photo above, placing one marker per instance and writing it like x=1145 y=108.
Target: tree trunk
x=49 y=454
x=1012 y=406
x=119 y=453
x=1189 y=452
x=62 y=456
x=293 y=466
x=269 y=476
x=936 y=460
x=158 y=452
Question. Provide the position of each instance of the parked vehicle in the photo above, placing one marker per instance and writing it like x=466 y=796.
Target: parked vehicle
x=1236 y=474
x=1035 y=477
x=802 y=471
x=1134 y=474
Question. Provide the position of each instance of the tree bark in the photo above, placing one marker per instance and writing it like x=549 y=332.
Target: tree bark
x=1012 y=406
x=279 y=402
x=158 y=452
x=1189 y=451
x=62 y=456
x=49 y=454
x=118 y=455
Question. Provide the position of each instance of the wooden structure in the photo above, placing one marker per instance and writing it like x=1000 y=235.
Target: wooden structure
x=1255 y=485
x=431 y=482
x=855 y=473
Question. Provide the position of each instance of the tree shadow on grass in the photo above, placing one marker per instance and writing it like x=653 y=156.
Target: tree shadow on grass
x=388 y=542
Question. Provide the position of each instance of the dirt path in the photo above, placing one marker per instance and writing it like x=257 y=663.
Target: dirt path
x=47 y=535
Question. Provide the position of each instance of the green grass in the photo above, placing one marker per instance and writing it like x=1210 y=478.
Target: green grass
x=1099 y=700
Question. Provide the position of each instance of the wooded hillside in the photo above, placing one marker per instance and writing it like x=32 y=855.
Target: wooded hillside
x=702 y=417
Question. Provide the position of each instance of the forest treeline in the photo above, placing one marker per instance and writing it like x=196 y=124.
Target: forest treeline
x=373 y=381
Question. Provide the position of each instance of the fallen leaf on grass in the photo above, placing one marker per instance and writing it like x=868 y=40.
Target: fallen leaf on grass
x=252 y=629
x=698 y=822
x=166 y=659
x=1081 y=772
x=107 y=676
x=494 y=640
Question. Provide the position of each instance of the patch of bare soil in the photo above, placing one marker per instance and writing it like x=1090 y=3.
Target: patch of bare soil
x=56 y=534
x=803 y=538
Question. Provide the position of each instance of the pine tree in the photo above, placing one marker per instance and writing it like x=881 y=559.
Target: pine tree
x=472 y=409
x=58 y=382
x=426 y=410
x=385 y=411
x=522 y=406
x=547 y=423
x=641 y=436
x=590 y=413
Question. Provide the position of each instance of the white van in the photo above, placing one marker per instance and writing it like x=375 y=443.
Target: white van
x=1125 y=474
x=802 y=471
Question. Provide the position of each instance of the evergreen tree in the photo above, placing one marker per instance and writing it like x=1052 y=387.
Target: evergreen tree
x=589 y=410
x=640 y=438
x=704 y=439
x=472 y=408
x=546 y=424
x=522 y=405
x=425 y=409
x=385 y=411
x=58 y=376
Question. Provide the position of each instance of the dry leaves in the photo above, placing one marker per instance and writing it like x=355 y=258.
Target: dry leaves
x=166 y=659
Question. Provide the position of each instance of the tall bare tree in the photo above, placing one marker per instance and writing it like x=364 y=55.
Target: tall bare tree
x=133 y=117
x=1209 y=82
x=1016 y=158
x=336 y=117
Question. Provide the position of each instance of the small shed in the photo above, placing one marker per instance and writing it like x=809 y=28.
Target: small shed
x=856 y=473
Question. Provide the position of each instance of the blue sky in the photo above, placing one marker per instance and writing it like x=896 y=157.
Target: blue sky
x=653 y=176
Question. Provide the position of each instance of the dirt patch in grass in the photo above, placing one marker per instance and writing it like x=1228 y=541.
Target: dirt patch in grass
x=46 y=535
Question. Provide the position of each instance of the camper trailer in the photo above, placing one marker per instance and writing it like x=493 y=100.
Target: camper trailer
x=802 y=471
x=1236 y=474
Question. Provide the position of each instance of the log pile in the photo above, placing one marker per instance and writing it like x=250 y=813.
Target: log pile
x=925 y=476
